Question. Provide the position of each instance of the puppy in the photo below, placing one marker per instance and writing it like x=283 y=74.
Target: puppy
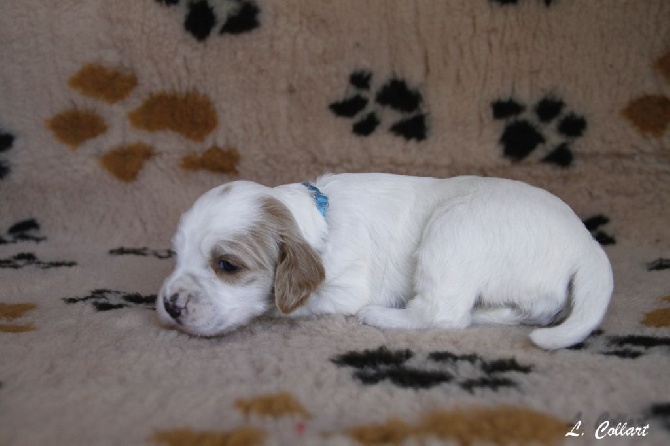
x=397 y=251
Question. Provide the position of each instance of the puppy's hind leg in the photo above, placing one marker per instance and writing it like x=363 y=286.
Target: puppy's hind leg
x=445 y=310
x=444 y=289
x=441 y=301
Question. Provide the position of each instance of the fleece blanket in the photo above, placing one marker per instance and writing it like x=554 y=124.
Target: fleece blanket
x=115 y=116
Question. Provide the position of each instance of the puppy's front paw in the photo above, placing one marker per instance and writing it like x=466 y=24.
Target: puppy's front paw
x=384 y=317
x=371 y=315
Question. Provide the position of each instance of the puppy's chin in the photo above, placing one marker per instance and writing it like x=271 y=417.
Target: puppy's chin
x=212 y=320
x=210 y=329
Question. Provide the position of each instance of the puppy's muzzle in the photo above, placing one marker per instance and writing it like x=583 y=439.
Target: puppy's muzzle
x=175 y=304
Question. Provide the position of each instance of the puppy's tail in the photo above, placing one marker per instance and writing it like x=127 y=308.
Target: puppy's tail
x=591 y=291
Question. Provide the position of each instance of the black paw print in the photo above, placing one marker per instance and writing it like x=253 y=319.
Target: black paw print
x=25 y=259
x=143 y=252
x=658 y=264
x=624 y=347
x=22 y=231
x=479 y=372
x=547 y=3
x=661 y=413
x=203 y=16
x=366 y=107
x=593 y=224
x=521 y=135
x=6 y=143
x=403 y=368
x=105 y=300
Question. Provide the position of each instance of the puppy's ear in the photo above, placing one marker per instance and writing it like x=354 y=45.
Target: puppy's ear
x=299 y=269
x=299 y=273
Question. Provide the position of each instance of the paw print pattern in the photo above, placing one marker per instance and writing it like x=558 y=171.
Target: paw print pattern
x=245 y=435
x=547 y=125
x=366 y=107
x=229 y=16
x=658 y=264
x=6 y=143
x=11 y=312
x=650 y=113
x=189 y=114
x=659 y=318
x=374 y=366
x=143 y=252
x=492 y=373
x=277 y=407
x=661 y=413
x=25 y=259
x=624 y=347
x=403 y=368
x=440 y=425
x=22 y=231
x=105 y=300
x=490 y=424
x=593 y=224
x=547 y=3
x=214 y=159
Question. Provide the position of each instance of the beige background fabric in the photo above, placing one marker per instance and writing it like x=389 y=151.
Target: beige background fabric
x=115 y=116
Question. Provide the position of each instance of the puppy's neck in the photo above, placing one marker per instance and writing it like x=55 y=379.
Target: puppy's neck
x=300 y=202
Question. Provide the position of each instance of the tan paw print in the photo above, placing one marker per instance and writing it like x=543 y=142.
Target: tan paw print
x=274 y=406
x=189 y=114
x=11 y=312
x=659 y=318
x=650 y=113
x=506 y=425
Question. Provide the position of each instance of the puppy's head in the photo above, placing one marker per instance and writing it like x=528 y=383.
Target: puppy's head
x=239 y=252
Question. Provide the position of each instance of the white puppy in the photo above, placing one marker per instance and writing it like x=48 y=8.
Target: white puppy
x=399 y=252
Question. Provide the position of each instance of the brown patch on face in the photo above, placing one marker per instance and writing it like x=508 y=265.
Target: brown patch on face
x=243 y=436
x=275 y=405
x=235 y=267
x=663 y=66
x=271 y=245
x=213 y=159
x=75 y=127
x=103 y=83
x=496 y=425
x=649 y=114
x=256 y=250
x=190 y=114
x=125 y=162
x=299 y=269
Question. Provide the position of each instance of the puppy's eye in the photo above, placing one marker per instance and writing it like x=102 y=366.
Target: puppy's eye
x=223 y=265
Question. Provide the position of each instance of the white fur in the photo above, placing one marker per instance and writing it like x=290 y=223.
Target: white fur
x=406 y=252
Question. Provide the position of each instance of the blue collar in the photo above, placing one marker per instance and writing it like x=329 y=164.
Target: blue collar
x=320 y=199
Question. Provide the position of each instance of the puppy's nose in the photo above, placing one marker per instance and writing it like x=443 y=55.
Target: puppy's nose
x=172 y=306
